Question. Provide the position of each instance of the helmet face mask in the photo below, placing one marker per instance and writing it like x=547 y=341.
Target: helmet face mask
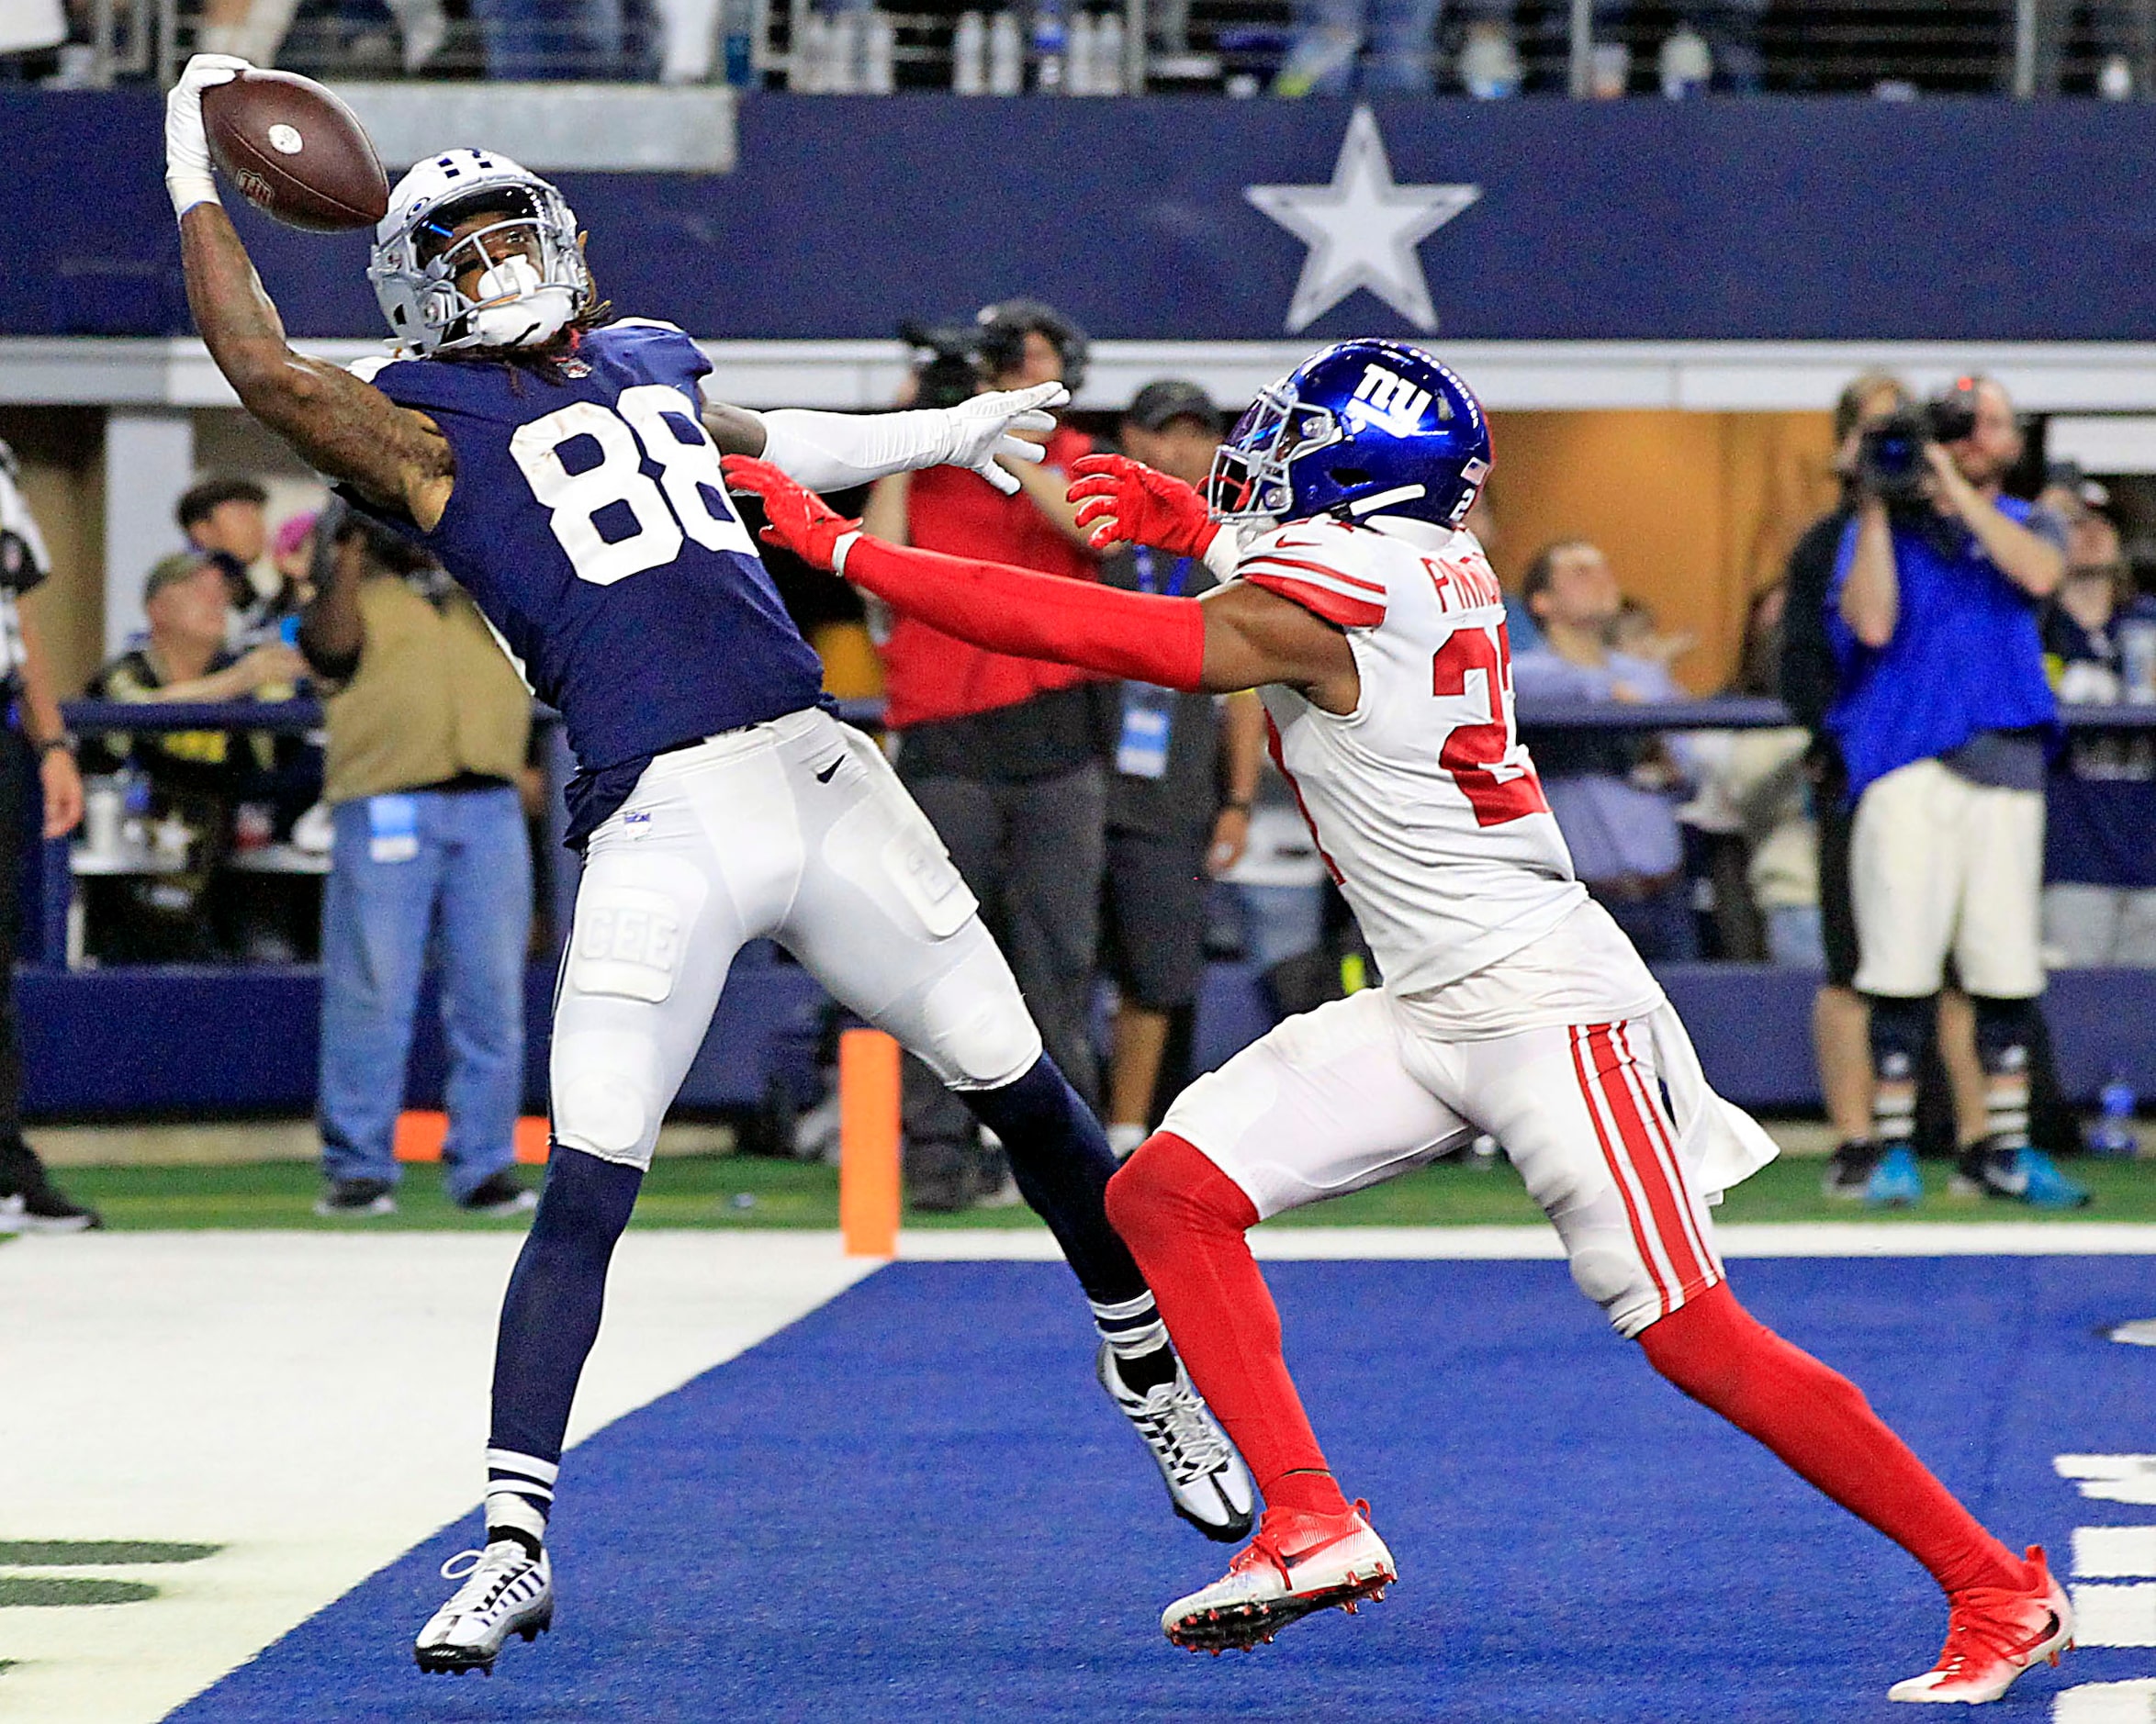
x=1361 y=428
x=531 y=282
x=1250 y=478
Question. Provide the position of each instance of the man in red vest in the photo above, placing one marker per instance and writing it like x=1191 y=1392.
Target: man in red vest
x=1004 y=754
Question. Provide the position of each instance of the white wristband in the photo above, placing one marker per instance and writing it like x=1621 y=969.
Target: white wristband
x=1224 y=552
x=188 y=189
x=839 y=552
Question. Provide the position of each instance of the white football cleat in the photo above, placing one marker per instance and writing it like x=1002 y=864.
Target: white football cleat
x=1299 y=1564
x=1206 y=1481
x=1993 y=1635
x=506 y=1591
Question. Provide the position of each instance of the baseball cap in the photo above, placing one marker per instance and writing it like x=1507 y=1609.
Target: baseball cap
x=169 y=570
x=1169 y=398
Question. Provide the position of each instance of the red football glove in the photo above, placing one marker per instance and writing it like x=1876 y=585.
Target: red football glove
x=1135 y=505
x=801 y=521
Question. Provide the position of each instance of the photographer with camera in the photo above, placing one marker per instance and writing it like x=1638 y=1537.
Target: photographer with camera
x=1004 y=755
x=1942 y=719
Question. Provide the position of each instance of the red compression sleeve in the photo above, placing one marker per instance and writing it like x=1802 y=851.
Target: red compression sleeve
x=1142 y=636
x=1183 y=1221
x=1819 y=1423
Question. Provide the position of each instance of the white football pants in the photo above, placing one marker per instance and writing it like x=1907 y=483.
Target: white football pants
x=796 y=831
x=1351 y=1094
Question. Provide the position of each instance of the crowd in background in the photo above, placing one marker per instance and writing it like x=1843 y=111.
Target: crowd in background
x=1484 y=49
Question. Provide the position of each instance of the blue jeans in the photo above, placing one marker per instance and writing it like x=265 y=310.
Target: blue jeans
x=1280 y=922
x=533 y=41
x=460 y=864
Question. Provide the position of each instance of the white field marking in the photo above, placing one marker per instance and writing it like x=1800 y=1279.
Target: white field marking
x=2140 y=1332
x=2111 y=1478
x=1530 y=1242
x=2114 y=1616
x=316 y=1403
x=2107 y=1703
x=2114 y=1552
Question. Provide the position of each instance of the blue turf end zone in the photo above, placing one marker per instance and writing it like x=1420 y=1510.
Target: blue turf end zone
x=916 y=1505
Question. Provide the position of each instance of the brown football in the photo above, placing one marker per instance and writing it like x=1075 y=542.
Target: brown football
x=295 y=151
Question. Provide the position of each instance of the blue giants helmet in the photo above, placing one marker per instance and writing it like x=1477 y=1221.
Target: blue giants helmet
x=1364 y=428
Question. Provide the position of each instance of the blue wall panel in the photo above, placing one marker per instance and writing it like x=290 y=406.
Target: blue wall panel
x=164 y=1041
x=1762 y=220
x=224 y=1041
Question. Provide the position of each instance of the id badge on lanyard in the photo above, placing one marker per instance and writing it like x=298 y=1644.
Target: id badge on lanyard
x=1148 y=712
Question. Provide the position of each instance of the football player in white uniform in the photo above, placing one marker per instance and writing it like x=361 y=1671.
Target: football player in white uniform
x=1511 y=1003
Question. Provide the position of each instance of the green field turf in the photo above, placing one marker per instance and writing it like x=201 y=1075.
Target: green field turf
x=748 y=1192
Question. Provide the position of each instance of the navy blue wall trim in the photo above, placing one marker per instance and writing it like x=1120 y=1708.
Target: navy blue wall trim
x=1796 y=219
x=209 y=1042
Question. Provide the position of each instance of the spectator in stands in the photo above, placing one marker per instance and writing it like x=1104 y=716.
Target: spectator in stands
x=1612 y=794
x=1758 y=776
x=256 y=30
x=1941 y=719
x=535 y=41
x=428 y=723
x=1279 y=883
x=1004 y=755
x=195 y=779
x=1368 y=47
x=1180 y=793
x=36 y=758
x=1389 y=47
x=225 y=519
x=1811 y=680
x=2100 y=825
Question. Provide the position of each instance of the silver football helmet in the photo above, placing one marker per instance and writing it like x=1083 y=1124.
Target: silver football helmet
x=533 y=281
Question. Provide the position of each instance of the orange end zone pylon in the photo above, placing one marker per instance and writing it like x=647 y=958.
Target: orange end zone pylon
x=420 y=1136
x=868 y=1143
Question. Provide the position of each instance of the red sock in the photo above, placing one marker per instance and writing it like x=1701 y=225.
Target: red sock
x=1183 y=1221
x=1819 y=1423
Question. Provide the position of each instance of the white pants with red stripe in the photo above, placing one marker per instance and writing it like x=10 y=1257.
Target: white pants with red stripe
x=1355 y=1093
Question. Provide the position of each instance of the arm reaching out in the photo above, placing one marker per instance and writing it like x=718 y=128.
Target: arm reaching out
x=1237 y=638
x=1122 y=501
x=835 y=452
x=347 y=428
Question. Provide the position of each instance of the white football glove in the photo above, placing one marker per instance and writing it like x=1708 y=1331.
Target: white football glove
x=978 y=431
x=187 y=174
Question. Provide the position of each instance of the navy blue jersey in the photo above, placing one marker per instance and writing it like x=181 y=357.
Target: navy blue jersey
x=591 y=523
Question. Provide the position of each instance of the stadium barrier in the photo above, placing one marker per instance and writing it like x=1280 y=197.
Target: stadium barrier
x=236 y=1039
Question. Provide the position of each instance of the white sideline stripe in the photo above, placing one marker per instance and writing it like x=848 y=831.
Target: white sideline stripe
x=2114 y=1616
x=1529 y=1242
x=2107 y=1703
x=316 y=1403
x=2114 y=1552
x=2110 y=1478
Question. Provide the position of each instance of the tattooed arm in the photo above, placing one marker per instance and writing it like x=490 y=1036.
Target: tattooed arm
x=347 y=428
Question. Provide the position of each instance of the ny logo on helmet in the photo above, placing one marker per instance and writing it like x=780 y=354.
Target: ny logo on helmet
x=1390 y=402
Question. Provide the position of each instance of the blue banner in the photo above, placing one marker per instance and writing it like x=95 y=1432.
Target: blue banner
x=1215 y=219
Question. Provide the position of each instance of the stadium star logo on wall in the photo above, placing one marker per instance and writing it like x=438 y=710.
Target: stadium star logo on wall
x=1361 y=229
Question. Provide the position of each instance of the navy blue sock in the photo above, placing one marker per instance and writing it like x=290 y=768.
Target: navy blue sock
x=549 y=1318
x=1060 y=1158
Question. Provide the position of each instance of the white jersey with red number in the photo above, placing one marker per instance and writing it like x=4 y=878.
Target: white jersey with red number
x=1424 y=804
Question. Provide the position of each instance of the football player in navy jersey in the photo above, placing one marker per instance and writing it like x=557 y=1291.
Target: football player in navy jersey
x=564 y=467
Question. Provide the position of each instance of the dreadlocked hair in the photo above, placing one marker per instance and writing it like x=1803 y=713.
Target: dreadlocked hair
x=543 y=362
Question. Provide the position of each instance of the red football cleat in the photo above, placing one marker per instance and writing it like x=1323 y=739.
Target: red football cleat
x=1992 y=1635
x=1299 y=1562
